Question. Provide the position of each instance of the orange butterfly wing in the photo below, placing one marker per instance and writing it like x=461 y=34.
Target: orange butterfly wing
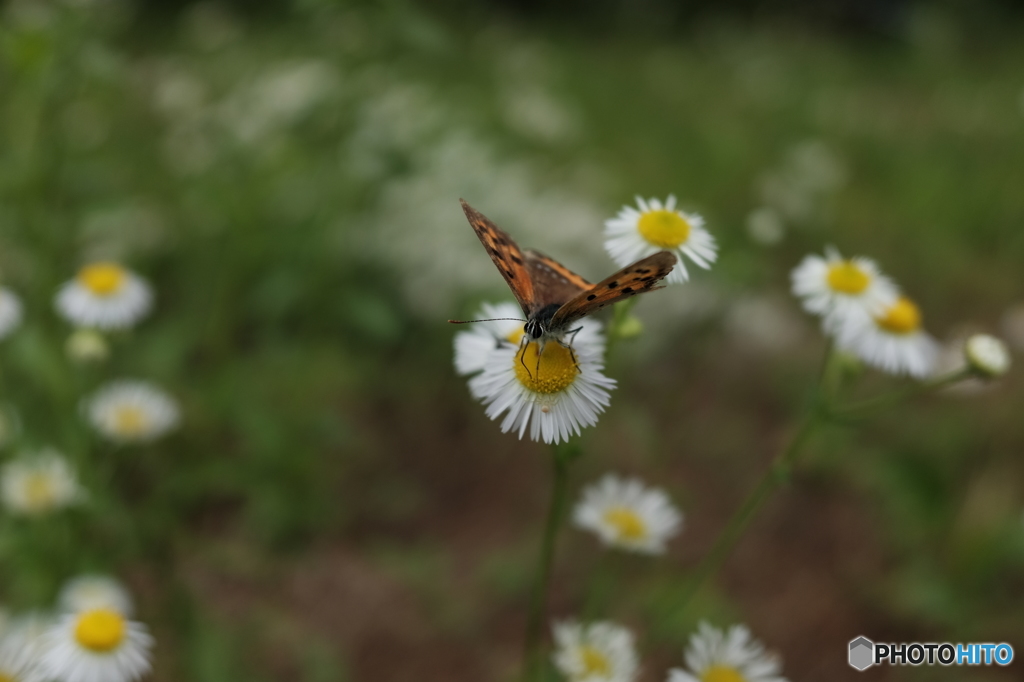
x=506 y=256
x=634 y=279
x=552 y=281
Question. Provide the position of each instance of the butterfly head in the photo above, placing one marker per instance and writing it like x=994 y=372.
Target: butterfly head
x=534 y=328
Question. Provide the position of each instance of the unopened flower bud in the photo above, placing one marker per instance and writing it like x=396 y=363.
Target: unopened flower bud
x=987 y=356
x=87 y=345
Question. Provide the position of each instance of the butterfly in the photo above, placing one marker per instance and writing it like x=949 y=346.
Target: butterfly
x=552 y=296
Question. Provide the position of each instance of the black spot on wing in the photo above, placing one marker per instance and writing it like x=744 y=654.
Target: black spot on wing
x=612 y=285
x=591 y=297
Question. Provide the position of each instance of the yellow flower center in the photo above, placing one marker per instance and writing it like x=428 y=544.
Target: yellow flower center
x=6 y=678
x=722 y=673
x=39 y=492
x=554 y=373
x=595 y=663
x=903 y=317
x=130 y=420
x=100 y=630
x=846 y=278
x=102 y=279
x=663 y=228
x=627 y=522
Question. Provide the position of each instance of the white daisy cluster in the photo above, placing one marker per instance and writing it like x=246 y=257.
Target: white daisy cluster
x=90 y=639
x=636 y=233
x=131 y=411
x=606 y=652
x=865 y=313
x=551 y=392
x=625 y=514
x=729 y=656
x=38 y=483
x=596 y=652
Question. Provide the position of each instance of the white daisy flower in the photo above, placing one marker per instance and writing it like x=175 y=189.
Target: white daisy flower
x=10 y=312
x=100 y=645
x=893 y=340
x=130 y=411
x=20 y=648
x=732 y=656
x=627 y=515
x=39 y=482
x=987 y=355
x=91 y=592
x=599 y=652
x=634 y=234
x=105 y=296
x=551 y=395
x=837 y=288
x=474 y=347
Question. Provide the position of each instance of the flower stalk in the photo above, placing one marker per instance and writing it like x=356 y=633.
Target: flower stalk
x=536 y=642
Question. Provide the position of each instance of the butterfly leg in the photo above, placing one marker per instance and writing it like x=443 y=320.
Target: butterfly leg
x=540 y=353
x=522 y=355
x=572 y=353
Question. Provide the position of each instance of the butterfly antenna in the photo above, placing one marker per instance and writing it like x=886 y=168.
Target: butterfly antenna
x=493 y=319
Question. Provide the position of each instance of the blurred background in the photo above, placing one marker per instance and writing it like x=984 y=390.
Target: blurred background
x=335 y=506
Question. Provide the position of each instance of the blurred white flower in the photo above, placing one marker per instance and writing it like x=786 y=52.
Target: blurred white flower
x=842 y=290
x=797 y=188
x=634 y=234
x=731 y=656
x=91 y=592
x=87 y=345
x=10 y=312
x=20 y=647
x=987 y=355
x=39 y=482
x=535 y=113
x=104 y=295
x=279 y=97
x=551 y=395
x=893 y=340
x=598 y=652
x=626 y=514
x=131 y=411
x=179 y=95
x=100 y=645
x=765 y=226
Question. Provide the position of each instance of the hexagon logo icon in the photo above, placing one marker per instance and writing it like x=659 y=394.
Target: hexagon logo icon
x=862 y=653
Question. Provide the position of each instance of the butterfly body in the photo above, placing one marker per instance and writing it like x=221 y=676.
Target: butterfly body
x=554 y=298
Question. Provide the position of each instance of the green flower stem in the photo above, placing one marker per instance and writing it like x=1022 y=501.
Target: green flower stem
x=777 y=474
x=536 y=642
x=820 y=413
x=872 y=406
